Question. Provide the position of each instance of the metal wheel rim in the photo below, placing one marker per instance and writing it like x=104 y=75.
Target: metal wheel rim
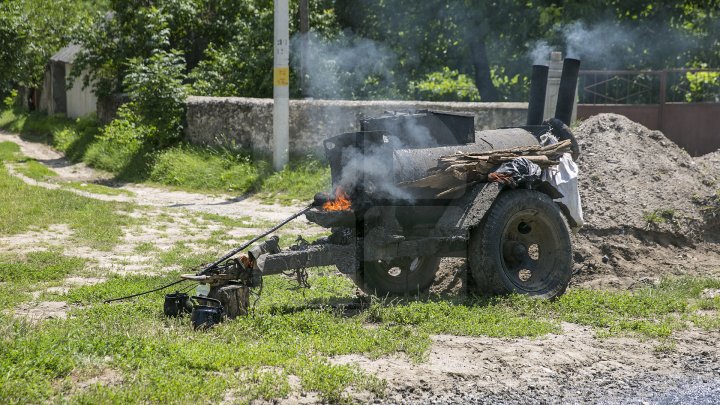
x=528 y=248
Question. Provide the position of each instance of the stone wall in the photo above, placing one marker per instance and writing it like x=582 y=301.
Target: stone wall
x=247 y=122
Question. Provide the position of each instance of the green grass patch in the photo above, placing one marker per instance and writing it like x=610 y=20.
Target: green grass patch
x=35 y=170
x=34 y=126
x=97 y=188
x=164 y=360
x=195 y=168
x=205 y=169
x=297 y=183
x=10 y=152
x=120 y=148
x=22 y=207
x=22 y=274
x=496 y=318
x=38 y=267
x=292 y=331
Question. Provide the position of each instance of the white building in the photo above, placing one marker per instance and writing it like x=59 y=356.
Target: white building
x=55 y=97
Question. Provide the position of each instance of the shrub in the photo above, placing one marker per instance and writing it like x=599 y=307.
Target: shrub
x=155 y=86
x=119 y=142
x=446 y=85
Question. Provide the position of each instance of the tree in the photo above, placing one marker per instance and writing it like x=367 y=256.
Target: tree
x=31 y=31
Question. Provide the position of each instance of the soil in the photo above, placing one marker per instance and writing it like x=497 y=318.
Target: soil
x=642 y=224
x=638 y=192
x=573 y=367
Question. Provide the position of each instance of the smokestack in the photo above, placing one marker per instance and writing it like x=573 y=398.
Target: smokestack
x=568 y=87
x=538 y=88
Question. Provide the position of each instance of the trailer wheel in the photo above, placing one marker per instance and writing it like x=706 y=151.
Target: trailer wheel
x=398 y=276
x=523 y=246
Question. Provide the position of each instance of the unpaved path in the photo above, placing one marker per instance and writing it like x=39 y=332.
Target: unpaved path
x=573 y=367
x=231 y=206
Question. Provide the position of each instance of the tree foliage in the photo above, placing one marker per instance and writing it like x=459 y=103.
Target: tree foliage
x=226 y=45
x=31 y=31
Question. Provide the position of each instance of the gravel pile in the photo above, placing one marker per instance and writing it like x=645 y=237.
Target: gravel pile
x=633 y=178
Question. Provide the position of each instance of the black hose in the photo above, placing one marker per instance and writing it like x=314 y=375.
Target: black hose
x=220 y=260
x=144 y=293
x=255 y=239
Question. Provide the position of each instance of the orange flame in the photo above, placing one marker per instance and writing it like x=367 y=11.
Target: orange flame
x=340 y=203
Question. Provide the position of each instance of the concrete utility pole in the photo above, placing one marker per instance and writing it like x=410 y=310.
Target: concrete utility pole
x=304 y=41
x=553 y=86
x=281 y=86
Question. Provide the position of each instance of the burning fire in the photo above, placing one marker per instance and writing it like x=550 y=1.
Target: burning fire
x=340 y=203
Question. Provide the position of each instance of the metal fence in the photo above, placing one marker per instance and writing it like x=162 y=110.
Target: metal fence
x=683 y=103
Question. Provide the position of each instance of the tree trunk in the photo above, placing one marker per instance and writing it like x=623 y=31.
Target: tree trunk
x=481 y=64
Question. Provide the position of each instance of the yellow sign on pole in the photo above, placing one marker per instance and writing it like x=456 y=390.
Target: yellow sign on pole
x=281 y=76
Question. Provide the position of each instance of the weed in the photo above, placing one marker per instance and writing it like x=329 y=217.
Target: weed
x=145 y=247
x=665 y=346
x=710 y=207
x=657 y=217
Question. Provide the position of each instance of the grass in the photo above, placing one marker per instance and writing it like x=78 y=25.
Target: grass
x=183 y=166
x=24 y=208
x=10 y=153
x=21 y=275
x=710 y=207
x=292 y=331
x=35 y=170
x=97 y=188
x=657 y=217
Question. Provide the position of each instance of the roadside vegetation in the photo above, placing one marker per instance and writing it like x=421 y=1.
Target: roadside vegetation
x=24 y=208
x=121 y=149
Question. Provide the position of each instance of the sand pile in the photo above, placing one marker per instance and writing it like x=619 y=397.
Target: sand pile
x=640 y=193
x=710 y=167
x=635 y=179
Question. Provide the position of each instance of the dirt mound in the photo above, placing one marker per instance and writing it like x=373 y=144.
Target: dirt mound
x=710 y=167
x=635 y=179
x=640 y=194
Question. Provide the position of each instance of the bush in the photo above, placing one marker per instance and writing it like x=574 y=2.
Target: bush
x=119 y=142
x=156 y=88
x=446 y=85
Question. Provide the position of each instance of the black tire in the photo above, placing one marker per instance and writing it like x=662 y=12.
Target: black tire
x=401 y=276
x=523 y=246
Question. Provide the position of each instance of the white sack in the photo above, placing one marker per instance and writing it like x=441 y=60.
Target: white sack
x=564 y=177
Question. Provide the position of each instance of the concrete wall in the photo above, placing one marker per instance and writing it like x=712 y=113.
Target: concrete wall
x=247 y=122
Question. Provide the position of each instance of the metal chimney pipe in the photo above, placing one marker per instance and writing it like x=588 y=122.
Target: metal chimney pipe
x=568 y=88
x=538 y=88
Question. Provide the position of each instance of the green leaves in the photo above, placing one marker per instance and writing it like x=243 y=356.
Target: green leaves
x=156 y=87
x=446 y=85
